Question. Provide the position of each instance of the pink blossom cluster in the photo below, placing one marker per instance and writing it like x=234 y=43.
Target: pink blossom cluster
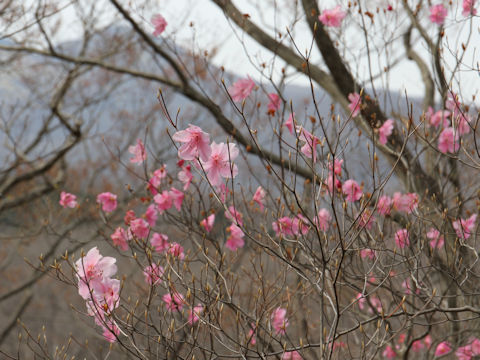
x=296 y=226
x=465 y=227
x=469 y=351
x=68 y=200
x=279 y=320
x=100 y=291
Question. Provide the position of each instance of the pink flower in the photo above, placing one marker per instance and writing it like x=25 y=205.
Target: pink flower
x=175 y=302
x=291 y=355
x=438 y=13
x=129 y=216
x=159 y=23
x=389 y=353
x=370 y=253
x=428 y=341
x=362 y=302
x=153 y=274
x=384 y=205
x=311 y=142
x=194 y=315
x=405 y=203
x=119 y=238
x=366 y=219
x=437 y=241
x=207 y=223
x=440 y=118
x=139 y=228
x=235 y=240
x=176 y=250
x=251 y=335
x=177 y=198
x=164 y=201
x=464 y=228
x=220 y=162
x=417 y=345
x=385 y=131
x=93 y=267
x=333 y=182
x=336 y=168
x=289 y=124
x=274 y=103
x=151 y=215
x=402 y=238
x=156 y=179
x=110 y=333
x=108 y=201
x=138 y=152
x=352 y=190
x=299 y=225
x=223 y=191
x=67 y=200
x=469 y=8
x=475 y=345
x=332 y=17
x=322 y=220
x=443 y=348
x=259 y=197
x=448 y=141
x=283 y=226
x=241 y=89
x=462 y=123
x=196 y=143
x=234 y=216
x=464 y=353
x=185 y=176
x=160 y=242
x=279 y=320
x=355 y=103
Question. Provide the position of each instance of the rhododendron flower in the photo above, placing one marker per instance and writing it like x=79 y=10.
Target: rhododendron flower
x=464 y=353
x=138 y=152
x=384 y=205
x=417 y=345
x=437 y=241
x=389 y=353
x=361 y=301
x=156 y=179
x=160 y=242
x=207 y=223
x=153 y=274
x=234 y=216
x=235 y=240
x=368 y=253
x=310 y=147
x=443 y=348
x=355 y=103
x=194 y=314
x=289 y=124
x=251 y=336
x=274 y=103
x=462 y=123
x=151 y=215
x=322 y=220
x=196 y=143
x=464 y=227
x=164 y=201
x=440 y=118
x=185 y=176
x=385 y=131
x=300 y=225
x=241 y=89
x=110 y=333
x=93 y=267
x=222 y=191
x=106 y=293
x=279 y=320
x=259 y=197
x=174 y=302
x=336 y=168
x=448 y=141
x=119 y=238
x=177 y=198
x=438 y=13
x=469 y=8
x=220 y=163
x=283 y=226
x=352 y=190
x=108 y=201
x=159 y=23
x=67 y=200
x=176 y=250
x=291 y=355
x=129 y=216
x=405 y=203
x=333 y=182
x=402 y=238
x=139 y=228
x=332 y=17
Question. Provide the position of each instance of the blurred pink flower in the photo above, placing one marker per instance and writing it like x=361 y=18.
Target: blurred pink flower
x=443 y=348
x=436 y=240
x=140 y=228
x=469 y=7
x=464 y=227
x=67 y=200
x=389 y=353
x=352 y=190
x=160 y=242
x=402 y=238
x=405 y=203
x=355 y=103
x=164 y=201
x=119 y=238
x=289 y=124
x=332 y=17
x=448 y=141
x=108 y=201
x=259 y=197
x=194 y=314
x=241 y=89
x=153 y=274
x=207 y=223
x=438 y=13
x=151 y=215
x=235 y=240
x=138 y=152
x=159 y=23
x=384 y=205
x=274 y=103
x=385 y=131
x=196 y=143
x=279 y=320
x=175 y=302
x=177 y=197
x=220 y=163
x=322 y=220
